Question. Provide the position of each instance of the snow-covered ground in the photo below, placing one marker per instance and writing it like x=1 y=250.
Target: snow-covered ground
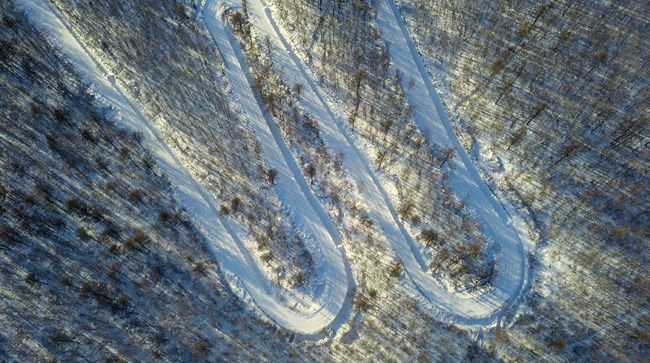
x=225 y=244
x=332 y=300
x=291 y=185
x=464 y=177
x=483 y=309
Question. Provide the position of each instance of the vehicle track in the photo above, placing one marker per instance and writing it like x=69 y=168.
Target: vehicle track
x=465 y=309
x=334 y=304
x=223 y=241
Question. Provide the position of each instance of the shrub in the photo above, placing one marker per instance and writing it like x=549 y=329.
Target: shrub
x=159 y=338
x=9 y=234
x=82 y=234
x=235 y=203
x=474 y=249
x=361 y=302
x=372 y=293
x=66 y=281
x=557 y=342
x=164 y=216
x=430 y=237
x=148 y=162
x=135 y=196
x=310 y=171
x=299 y=279
x=111 y=185
x=396 y=269
x=266 y=257
x=199 y=269
x=61 y=116
x=202 y=347
x=271 y=174
x=87 y=136
x=157 y=354
x=76 y=206
x=61 y=336
x=137 y=241
x=180 y=11
x=32 y=279
x=405 y=209
x=156 y=274
x=111 y=231
x=501 y=335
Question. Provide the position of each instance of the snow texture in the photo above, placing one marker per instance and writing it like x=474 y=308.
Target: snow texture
x=332 y=302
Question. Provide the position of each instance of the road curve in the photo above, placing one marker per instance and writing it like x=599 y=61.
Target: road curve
x=465 y=180
x=465 y=309
x=330 y=306
x=291 y=185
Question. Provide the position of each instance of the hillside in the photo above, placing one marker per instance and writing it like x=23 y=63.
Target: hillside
x=366 y=180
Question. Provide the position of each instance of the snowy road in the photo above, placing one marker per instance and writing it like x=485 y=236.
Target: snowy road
x=224 y=243
x=331 y=305
x=465 y=309
x=432 y=119
x=291 y=185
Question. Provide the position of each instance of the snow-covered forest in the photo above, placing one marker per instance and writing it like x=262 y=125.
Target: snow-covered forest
x=363 y=180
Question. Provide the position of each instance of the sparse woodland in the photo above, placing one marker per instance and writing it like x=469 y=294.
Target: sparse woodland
x=355 y=65
x=538 y=85
x=558 y=91
x=179 y=84
x=99 y=262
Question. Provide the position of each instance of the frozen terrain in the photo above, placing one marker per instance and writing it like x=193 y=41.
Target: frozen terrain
x=332 y=297
x=225 y=244
x=465 y=309
x=465 y=179
x=367 y=180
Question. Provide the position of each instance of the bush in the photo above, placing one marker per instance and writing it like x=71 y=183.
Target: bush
x=235 y=203
x=148 y=162
x=82 y=234
x=61 y=336
x=199 y=269
x=310 y=171
x=299 y=279
x=202 y=347
x=9 y=234
x=111 y=231
x=164 y=216
x=135 y=196
x=137 y=241
x=372 y=293
x=76 y=206
x=406 y=209
x=430 y=237
x=61 y=116
x=501 y=335
x=396 y=270
x=32 y=279
x=361 y=302
x=557 y=342
x=88 y=136
x=271 y=174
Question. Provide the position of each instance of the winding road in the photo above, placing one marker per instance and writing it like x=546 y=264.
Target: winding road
x=431 y=118
x=330 y=306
